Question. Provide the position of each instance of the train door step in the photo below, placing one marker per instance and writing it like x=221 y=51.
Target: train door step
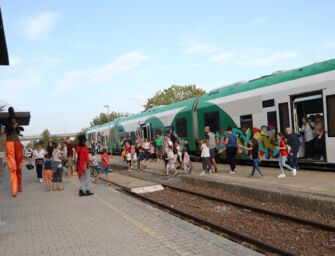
x=147 y=189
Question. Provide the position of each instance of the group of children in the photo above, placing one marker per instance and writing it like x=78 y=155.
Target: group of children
x=253 y=149
x=105 y=168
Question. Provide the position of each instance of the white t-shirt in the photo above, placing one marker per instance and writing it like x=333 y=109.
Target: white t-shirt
x=308 y=131
x=205 y=150
x=39 y=154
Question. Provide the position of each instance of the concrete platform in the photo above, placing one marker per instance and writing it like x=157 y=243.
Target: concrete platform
x=37 y=223
x=309 y=189
x=134 y=184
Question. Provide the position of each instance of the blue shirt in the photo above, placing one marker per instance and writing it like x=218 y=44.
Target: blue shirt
x=232 y=140
x=47 y=165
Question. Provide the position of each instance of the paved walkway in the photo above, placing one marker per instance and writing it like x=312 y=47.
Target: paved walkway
x=108 y=223
x=308 y=182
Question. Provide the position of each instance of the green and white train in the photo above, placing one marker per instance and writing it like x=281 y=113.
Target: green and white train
x=260 y=107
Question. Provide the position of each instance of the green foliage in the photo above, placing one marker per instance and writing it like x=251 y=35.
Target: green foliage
x=46 y=138
x=103 y=117
x=173 y=94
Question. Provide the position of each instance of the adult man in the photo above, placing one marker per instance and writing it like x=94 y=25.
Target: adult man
x=70 y=156
x=212 y=146
x=14 y=152
x=292 y=139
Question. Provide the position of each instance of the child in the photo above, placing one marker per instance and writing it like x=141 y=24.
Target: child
x=186 y=162
x=152 y=151
x=47 y=174
x=128 y=155
x=104 y=167
x=134 y=156
x=141 y=158
x=205 y=156
x=57 y=167
x=170 y=158
x=255 y=158
x=283 y=157
x=94 y=164
x=178 y=153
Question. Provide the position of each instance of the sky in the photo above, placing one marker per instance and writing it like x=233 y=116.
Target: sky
x=70 y=58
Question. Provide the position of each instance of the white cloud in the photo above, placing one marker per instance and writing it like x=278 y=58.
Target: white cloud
x=38 y=26
x=222 y=56
x=267 y=60
x=15 y=61
x=13 y=89
x=326 y=46
x=192 y=45
x=256 y=22
x=78 y=78
x=139 y=97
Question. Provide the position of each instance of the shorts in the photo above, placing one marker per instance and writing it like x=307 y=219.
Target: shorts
x=69 y=162
x=212 y=153
x=159 y=150
x=104 y=169
x=57 y=172
x=47 y=175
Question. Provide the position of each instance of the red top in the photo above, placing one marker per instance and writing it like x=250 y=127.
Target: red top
x=105 y=159
x=70 y=150
x=128 y=150
x=83 y=160
x=283 y=152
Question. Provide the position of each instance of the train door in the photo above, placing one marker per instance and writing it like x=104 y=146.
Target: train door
x=307 y=105
x=329 y=106
x=146 y=131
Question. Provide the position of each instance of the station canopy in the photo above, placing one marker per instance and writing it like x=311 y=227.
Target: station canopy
x=22 y=117
x=3 y=46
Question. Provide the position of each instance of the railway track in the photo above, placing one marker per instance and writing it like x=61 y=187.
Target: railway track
x=257 y=244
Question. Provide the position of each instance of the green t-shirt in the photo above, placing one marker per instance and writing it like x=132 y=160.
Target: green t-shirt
x=159 y=141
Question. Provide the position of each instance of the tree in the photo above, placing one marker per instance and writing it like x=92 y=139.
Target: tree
x=46 y=138
x=103 y=117
x=173 y=94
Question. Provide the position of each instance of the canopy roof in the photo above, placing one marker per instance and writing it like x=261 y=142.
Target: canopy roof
x=22 y=117
x=3 y=46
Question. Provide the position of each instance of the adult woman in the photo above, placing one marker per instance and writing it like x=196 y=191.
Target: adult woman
x=50 y=148
x=83 y=167
x=308 y=128
x=38 y=156
x=231 y=148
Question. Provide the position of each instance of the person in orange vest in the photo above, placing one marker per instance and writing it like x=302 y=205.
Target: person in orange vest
x=14 y=151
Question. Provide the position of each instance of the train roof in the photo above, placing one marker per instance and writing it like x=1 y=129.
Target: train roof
x=185 y=104
x=268 y=80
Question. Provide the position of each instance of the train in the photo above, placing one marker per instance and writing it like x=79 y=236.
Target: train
x=258 y=108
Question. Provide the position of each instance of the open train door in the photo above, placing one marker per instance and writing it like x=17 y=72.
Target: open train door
x=146 y=131
x=329 y=106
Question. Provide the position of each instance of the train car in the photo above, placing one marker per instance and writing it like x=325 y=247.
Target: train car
x=257 y=108
x=266 y=105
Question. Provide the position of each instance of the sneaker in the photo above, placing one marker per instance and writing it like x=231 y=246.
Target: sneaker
x=210 y=172
x=281 y=176
x=232 y=172
x=89 y=193
x=202 y=173
x=294 y=172
x=260 y=177
x=40 y=181
x=250 y=176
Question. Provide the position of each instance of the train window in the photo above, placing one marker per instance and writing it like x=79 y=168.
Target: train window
x=246 y=121
x=268 y=103
x=212 y=119
x=330 y=117
x=181 y=127
x=284 y=117
x=272 y=119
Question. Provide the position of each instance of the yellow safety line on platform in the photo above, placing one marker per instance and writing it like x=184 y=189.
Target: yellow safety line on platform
x=147 y=230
